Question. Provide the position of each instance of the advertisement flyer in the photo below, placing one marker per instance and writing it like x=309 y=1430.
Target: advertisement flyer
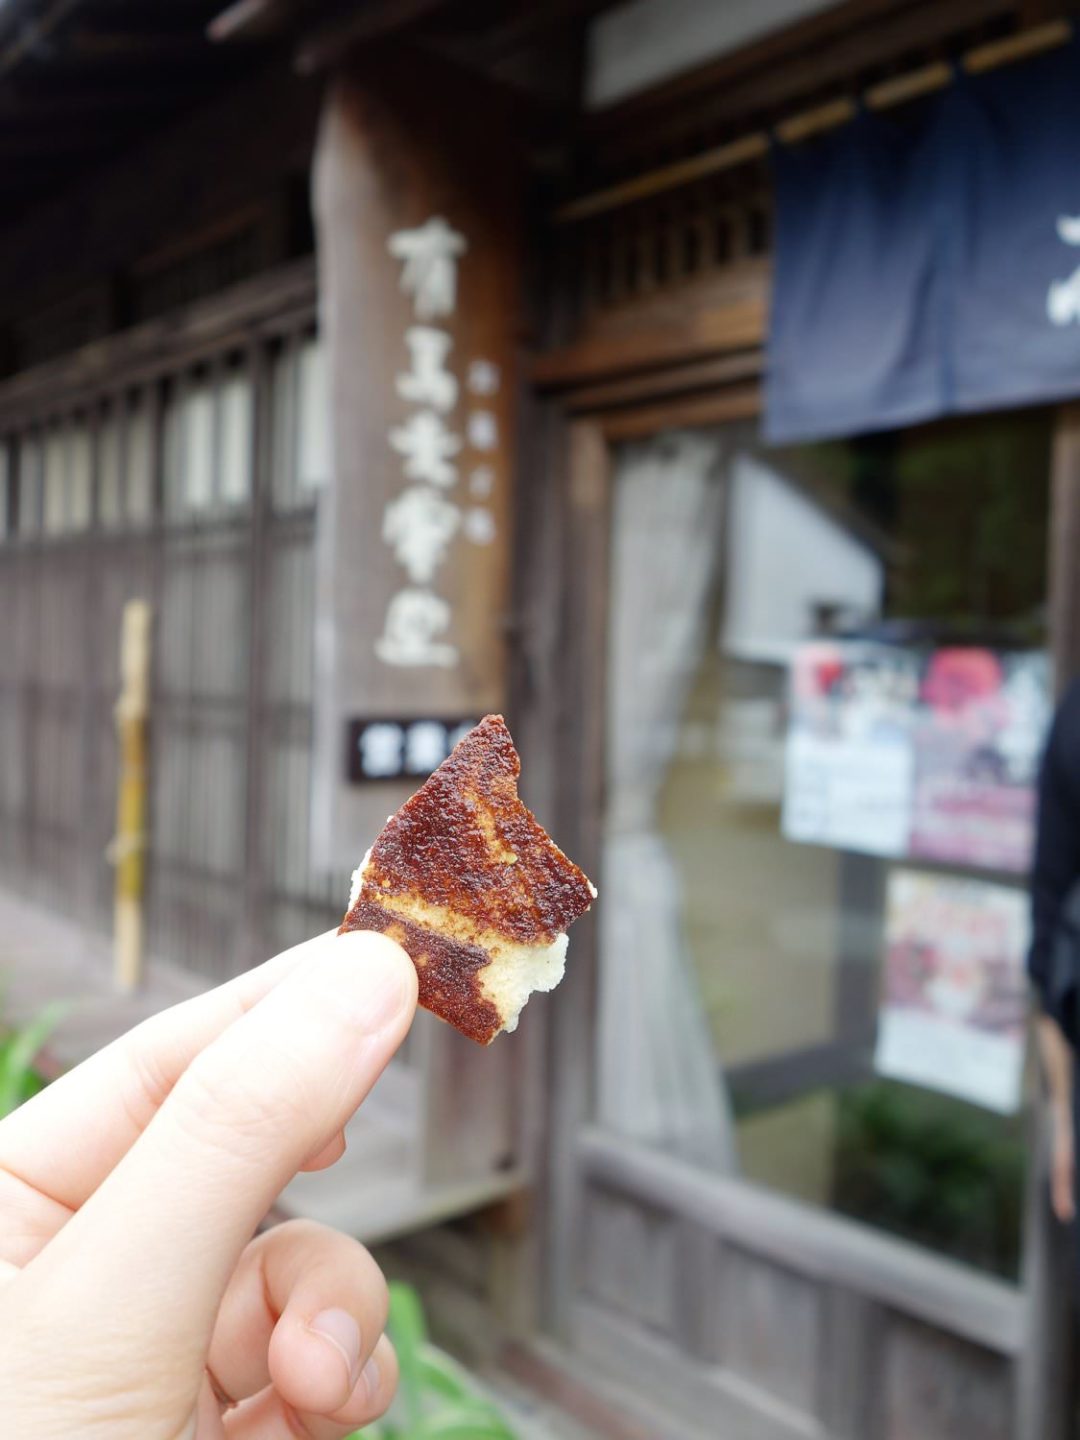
x=979 y=733
x=922 y=754
x=849 y=761
x=954 y=995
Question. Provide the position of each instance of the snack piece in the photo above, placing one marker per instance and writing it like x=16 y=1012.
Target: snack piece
x=471 y=885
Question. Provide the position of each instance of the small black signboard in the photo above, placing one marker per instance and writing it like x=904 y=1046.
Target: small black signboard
x=400 y=749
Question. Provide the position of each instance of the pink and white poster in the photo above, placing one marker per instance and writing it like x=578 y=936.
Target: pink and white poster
x=923 y=754
x=954 y=996
x=979 y=731
x=849 y=761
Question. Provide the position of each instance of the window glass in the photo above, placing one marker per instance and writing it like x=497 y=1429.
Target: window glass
x=236 y=410
x=300 y=422
x=313 y=460
x=80 y=474
x=5 y=485
x=30 y=464
x=795 y=989
x=139 y=460
x=55 y=512
x=109 y=461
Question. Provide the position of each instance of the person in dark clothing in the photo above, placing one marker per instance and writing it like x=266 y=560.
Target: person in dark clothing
x=1055 y=872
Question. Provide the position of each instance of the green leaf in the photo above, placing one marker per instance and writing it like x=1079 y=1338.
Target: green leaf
x=408 y=1332
x=17 y=1076
x=463 y=1422
x=443 y=1376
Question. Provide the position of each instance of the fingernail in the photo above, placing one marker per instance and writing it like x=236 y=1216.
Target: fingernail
x=370 y=1377
x=341 y=1330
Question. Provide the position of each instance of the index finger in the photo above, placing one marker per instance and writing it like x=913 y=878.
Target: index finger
x=64 y=1141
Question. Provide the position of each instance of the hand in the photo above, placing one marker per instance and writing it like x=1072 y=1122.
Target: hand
x=134 y=1304
x=1062 y=1163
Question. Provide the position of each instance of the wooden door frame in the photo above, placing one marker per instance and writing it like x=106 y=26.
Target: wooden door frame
x=587 y=399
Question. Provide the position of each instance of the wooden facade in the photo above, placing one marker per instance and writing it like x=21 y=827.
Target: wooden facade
x=706 y=1306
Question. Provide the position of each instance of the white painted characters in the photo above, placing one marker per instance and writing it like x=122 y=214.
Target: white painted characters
x=429 y=382
x=418 y=526
x=421 y=523
x=429 y=274
x=1063 y=296
x=415 y=621
x=483 y=430
x=380 y=750
x=479 y=526
x=483 y=377
x=427 y=445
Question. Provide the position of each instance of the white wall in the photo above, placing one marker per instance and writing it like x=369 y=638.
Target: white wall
x=645 y=41
x=785 y=555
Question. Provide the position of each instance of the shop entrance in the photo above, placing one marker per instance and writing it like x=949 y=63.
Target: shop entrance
x=803 y=1212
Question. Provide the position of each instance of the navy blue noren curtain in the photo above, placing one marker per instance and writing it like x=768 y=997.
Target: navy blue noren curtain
x=929 y=264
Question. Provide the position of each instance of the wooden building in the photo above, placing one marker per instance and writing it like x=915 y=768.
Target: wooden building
x=681 y=1200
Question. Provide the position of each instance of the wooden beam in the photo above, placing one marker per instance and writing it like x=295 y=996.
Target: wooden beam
x=244 y=18
x=914 y=1282
x=1064 y=541
x=795 y=128
x=67 y=102
x=143 y=45
x=820 y=50
x=718 y=316
x=371 y=21
x=34 y=33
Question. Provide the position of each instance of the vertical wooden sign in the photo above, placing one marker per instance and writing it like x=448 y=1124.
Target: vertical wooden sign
x=418 y=205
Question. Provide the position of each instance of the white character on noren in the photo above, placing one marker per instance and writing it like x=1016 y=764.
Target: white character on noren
x=427 y=445
x=419 y=525
x=1063 y=297
x=428 y=382
x=429 y=275
x=414 y=621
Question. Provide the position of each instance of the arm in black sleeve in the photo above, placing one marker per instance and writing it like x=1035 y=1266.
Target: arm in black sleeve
x=1057 y=843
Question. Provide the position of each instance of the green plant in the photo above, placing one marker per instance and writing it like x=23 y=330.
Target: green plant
x=19 y=1049
x=934 y=1170
x=437 y=1398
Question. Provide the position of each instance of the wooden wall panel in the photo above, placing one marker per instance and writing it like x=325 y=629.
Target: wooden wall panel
x=629 y=1257
x=771 y=1328
x=935 y=1387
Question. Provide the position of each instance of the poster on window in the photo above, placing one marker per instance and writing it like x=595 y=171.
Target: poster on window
x=921 y=754
x=979 y=731
x=954 y=996
x=849 y=760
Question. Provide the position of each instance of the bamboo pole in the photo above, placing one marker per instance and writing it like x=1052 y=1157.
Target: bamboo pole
x=894 y=91
x=128 y=848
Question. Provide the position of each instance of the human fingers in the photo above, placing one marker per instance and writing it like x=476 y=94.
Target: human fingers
x=327 y=1154
x=269 y=1417
x=1062 y=1189
x=63 y=1142
x=304 y=1310
x=157 y=1242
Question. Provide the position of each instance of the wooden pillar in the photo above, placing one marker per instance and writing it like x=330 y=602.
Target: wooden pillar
x=1064 y=546
x=1043 y=1380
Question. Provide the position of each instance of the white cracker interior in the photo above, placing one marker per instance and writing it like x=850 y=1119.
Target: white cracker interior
x=513 y=971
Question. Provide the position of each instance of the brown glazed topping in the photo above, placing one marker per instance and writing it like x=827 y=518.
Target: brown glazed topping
x=466 y=841
x=446 y=969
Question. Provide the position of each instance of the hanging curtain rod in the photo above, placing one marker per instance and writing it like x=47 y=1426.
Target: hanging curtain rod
x=894 y=91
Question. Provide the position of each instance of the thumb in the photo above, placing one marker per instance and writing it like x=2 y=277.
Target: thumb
x=159 y=1239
